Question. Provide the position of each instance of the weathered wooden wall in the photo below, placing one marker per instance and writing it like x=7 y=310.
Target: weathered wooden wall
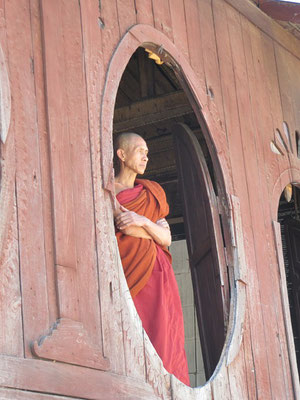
x=58 y=254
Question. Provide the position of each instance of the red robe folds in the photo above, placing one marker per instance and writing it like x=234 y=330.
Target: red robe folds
x=151 y=279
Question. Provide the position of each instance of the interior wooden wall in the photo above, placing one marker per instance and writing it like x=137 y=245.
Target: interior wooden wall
x=58 y=255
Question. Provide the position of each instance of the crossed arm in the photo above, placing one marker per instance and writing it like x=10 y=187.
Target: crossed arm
x=137 y=225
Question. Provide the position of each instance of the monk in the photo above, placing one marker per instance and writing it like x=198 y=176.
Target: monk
x=143 y=236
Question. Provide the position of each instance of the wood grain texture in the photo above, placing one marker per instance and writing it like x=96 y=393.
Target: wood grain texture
x=70 y=380
x=179 y=26
x=108 y=277
x=28 y=176
x=11 y=394
x=264 y=129
x=162 y=17
x=43 y=136
x=11 y=330
x=126 y=15
x=144 y=12
x=75 y=256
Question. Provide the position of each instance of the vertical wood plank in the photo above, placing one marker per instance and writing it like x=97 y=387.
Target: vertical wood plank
x=162 y=17
x=179 y=26
x=11 y=329
x=289 y=83
x=37 y=42
x=272 y=87
x=76 y=261
x=234 y=88
x=210 y=57
x=109 y=24
x=108 y=273
x=260 y=106
x=144 y=12
x=194 y=39
x=28 y=176
x=126 y=15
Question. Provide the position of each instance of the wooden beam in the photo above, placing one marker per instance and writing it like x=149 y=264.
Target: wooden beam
x=267 y=25
x=69 y=380
x=151 y=111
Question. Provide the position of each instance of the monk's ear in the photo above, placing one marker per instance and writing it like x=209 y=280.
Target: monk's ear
x=121 y=154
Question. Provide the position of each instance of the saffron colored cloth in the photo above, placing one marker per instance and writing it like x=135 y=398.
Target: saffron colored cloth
x=155 y=293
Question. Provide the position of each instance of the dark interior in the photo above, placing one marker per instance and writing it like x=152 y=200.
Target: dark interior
x=150 y=101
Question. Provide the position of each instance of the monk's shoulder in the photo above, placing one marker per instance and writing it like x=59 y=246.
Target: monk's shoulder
x=152 y=186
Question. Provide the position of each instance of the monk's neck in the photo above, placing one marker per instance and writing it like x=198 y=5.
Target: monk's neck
x=125 y=180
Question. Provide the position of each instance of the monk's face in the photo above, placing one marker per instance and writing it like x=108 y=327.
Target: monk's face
x=136 y=155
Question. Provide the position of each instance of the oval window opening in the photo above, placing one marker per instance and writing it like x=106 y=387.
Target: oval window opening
x=152 y=103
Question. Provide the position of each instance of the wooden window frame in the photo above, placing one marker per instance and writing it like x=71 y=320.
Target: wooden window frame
x=147 y=36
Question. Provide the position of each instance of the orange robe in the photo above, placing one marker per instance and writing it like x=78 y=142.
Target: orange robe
x=151 y=280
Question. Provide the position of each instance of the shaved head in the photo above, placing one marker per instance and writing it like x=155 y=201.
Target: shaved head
x=123 y=141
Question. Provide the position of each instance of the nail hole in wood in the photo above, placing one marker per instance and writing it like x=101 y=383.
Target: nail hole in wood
x=101 y=23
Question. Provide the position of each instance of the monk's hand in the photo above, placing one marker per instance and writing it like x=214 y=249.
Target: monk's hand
x=128 y=218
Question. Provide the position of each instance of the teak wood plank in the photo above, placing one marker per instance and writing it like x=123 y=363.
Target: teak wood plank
x=210 y=56
x=11 y=328
x=76 y=180
x=111 y=326
x=28 y=176
x=269 y=26
x=213 y=86
x=275 y=317
x=253 y=172
x=12 y=394
x=70 y=380
x=289 y=83
x=144 y=12
x=194 y=39
x=179 y=26
x=236 y=370
x=263 y=128
x=126 y=15
x=37 y=43
x=59 y=133
x=271 y=79
x=162 y=17
x=275 y=101
x=109 y=24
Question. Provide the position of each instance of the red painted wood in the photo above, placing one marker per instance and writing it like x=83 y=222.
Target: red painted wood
x=110 y=29
x=11 y=328
x=37 y=41
x=179 y=26
x=263 y=135
x=194 y=40
x=162 y=17
x=95 y=75
x=126 y=15
x=70 y=380
x=71 y=165
x=144 y=12
x=20 y=395
x=28 y=177
x=237 y=374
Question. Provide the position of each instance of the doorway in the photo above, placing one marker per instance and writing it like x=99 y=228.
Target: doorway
x=150 y=101
x=289 y=219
